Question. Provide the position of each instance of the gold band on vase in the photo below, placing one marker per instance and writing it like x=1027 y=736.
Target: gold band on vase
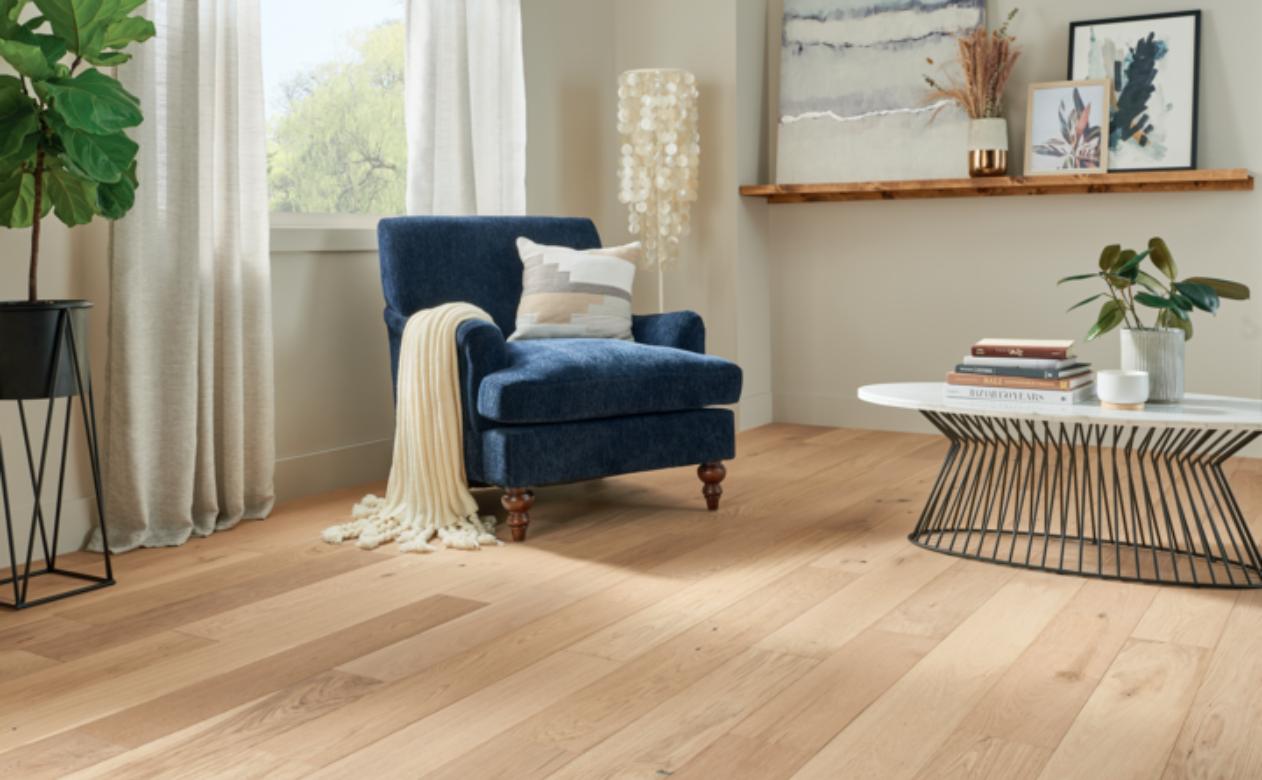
x=987 y=162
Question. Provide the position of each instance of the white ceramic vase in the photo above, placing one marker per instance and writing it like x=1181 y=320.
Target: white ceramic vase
x=1158 y=351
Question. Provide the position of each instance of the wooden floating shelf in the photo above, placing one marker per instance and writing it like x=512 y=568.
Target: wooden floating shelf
x=1223 y=179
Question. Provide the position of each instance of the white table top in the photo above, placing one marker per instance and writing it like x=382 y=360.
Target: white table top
x=1196 y=411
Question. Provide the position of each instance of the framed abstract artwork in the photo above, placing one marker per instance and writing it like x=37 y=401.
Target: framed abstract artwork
x=1154 y=64
x=1067 y=127
x=853 y=100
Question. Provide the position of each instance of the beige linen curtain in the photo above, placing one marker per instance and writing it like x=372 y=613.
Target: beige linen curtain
x=189 y=414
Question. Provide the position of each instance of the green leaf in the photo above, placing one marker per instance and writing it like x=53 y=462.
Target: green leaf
x=108 y=58
x=1155 y=301
x=101 y=158
x=1232 y=291
x=1168 y=320
x=1131 y=262
x=1085 y=301
x=1078 y=277
x=1182 y=302
x=1109 y=257
x=26 y=58
x=132 y=29
x=92 y=102
x=1162 y=258
x=17 y=199
x=18 y=120
x=1149 y=282
x=54 y=48
x=81 y=23
x=1117 y=281
x=9 y=12
x=1112 y=314
x=116 y=199
x=73 y=198
x=1201 y=295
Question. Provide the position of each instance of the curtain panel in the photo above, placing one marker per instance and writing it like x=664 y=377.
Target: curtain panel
x=465 y=95
x=189 y=414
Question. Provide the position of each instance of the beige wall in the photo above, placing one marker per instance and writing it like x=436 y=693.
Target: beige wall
x=890 y=291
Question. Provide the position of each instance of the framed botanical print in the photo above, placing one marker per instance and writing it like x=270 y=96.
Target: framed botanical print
x=1067 y=128
x=1154 y=64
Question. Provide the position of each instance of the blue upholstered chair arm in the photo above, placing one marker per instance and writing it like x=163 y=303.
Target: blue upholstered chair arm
x=678 y=329
x=482 y=351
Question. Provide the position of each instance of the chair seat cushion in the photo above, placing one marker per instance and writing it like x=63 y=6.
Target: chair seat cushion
x=562 y=380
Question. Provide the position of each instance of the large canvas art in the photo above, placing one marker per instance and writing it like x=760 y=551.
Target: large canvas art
x=1153 y=62
x=853 y=99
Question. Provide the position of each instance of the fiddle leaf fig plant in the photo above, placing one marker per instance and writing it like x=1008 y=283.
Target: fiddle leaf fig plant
x=63 y=143
x=1129 y=289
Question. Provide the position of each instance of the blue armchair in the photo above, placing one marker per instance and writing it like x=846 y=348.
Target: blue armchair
x=549 y=411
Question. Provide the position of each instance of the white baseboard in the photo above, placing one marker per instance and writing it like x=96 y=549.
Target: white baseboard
x=320 y=472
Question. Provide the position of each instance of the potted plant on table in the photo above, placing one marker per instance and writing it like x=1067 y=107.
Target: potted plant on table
x=987 y=58
x=1156 y=348
x=64 y=151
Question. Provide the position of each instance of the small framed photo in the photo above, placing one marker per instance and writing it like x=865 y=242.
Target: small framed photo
x=1154 y=64
x=1067 y=127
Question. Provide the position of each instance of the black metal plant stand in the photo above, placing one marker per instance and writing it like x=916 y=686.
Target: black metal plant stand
x=1111 y=501
x=36 y=468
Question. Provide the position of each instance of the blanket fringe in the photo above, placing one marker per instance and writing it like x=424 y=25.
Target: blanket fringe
x=376 y=523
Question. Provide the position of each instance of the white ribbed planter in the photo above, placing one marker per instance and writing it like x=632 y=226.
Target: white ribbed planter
x=1159 y=351
x=988 y=134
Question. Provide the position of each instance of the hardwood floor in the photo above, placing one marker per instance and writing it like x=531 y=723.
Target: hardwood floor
x=794 y=633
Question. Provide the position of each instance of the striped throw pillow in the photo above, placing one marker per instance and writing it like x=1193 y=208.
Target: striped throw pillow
x=570 y=293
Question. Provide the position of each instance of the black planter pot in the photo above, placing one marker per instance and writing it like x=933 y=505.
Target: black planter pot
x=29 y=345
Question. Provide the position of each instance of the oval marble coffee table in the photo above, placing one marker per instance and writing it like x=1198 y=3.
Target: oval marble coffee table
x=1078 y=489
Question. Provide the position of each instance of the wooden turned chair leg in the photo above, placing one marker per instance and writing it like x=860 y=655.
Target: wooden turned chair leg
x=518 y=502
x=712 y=475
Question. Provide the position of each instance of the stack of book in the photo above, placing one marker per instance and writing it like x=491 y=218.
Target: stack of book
x=1022 y=370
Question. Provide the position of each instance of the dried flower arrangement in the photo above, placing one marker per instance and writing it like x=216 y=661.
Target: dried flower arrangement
x=987 y=58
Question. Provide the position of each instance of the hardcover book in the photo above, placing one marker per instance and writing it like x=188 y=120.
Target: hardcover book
x=1072 y=370
x=1057 y=349
x=1044 y=363
x=1017 y=382
x=1010 y=395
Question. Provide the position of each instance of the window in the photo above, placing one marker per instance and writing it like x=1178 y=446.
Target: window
x=333 y=74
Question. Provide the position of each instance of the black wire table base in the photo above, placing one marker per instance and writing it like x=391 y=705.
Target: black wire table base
x=36 y=450
x=1097 y=500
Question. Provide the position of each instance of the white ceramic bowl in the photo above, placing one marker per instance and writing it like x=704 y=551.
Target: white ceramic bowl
x=1122 y=387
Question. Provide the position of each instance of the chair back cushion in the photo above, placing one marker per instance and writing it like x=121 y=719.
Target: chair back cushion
x=427 y=261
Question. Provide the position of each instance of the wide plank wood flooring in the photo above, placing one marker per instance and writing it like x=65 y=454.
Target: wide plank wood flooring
x=795 y=633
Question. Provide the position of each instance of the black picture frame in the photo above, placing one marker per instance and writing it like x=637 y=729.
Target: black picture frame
x=1195 y=15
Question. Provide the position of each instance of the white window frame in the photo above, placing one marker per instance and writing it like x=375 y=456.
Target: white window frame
x=293 y=232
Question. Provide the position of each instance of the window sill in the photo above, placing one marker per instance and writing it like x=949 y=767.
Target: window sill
x=301 y=233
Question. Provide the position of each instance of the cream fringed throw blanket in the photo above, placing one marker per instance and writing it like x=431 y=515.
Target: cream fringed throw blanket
x=427 y=495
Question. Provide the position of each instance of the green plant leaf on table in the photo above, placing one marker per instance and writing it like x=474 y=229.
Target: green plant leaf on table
x=1149 y=282
x=1131 y=263
x=1232 y=291
x=1112 y=314
x=1077 y=278
x=1155 y=301
x=92 y=102
x=1163 y=258
x=1085 y=301
x=1167 y=320
x=1201 y=295
x=1109 y=257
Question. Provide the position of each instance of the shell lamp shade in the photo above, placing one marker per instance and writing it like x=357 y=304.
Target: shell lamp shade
x=660 y=157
